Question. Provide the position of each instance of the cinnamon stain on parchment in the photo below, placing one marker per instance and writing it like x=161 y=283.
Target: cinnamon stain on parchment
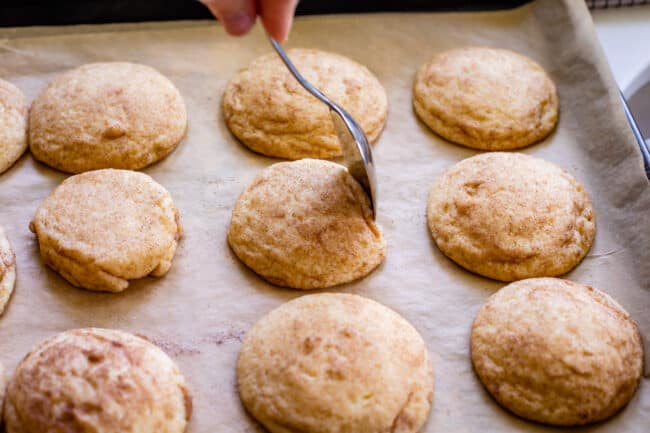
x=225 y=336
x=172 y=347
x=178 y=347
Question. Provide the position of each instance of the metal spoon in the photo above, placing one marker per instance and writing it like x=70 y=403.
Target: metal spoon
x=357 y=156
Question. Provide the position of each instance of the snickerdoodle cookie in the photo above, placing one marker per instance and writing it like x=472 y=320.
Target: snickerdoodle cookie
x=13 y=125
x=101 y=228
x=486 y=98
x=557 y=352
x=97 y=380
x=511 y=216
x=307 y=225
x=267 y=109
x=106 y=115
x=7 y=270
x=335 y=363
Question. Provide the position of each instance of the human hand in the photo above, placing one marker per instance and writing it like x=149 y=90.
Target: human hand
x=238 y=16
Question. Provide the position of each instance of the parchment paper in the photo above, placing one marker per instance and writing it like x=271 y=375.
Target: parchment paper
x=202 y=308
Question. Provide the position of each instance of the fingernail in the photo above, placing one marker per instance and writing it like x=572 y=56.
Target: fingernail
x=238 y=23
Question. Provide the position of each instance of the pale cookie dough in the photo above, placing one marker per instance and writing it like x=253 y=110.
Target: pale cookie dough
x=307 y=225
x=557 y=352
x=511 y=216
x=106 y=115
x=335 y=363
x=486 y=98
x=102 y=228
x=13 y=125
x=267 y=109
x=7 y=270
x=97 y=380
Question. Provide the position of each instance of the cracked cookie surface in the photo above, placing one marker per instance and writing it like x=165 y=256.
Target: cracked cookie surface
x=335 y=363
x=13 y=125
x=7 y=270
x=486 y=98
x=101 y=228
x=267 y=109
x=557 y=352
x=510 y=216
x=106 y=115
x=97 y=380
x=306 y=225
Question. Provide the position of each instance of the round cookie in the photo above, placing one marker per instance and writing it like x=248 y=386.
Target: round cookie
x=104 y=227
x=106 y=115
x=307 y=225
x=97 y=380
x=13 y=125
x=510 y=216
x=557 y=352
x=7 y=270
x=335 y=363
x=486 y=98
x=267 y=109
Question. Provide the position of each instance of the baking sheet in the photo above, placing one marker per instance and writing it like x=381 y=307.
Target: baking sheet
x=202 y=308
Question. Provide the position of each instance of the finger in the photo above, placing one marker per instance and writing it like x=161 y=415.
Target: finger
x=277 y=16
x=237 y=16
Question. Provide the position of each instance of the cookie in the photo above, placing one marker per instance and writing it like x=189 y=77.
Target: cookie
x=486 y=98
x=13 y=125
x=267 y=109
x=106 y=115
x=306 y=225
x=102 y=228
x=510 y=216
x=557 y=352
x=335 y=363
x=7 y=270
x=97 y=380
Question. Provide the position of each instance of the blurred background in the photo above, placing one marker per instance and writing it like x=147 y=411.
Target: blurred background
x=48 y=12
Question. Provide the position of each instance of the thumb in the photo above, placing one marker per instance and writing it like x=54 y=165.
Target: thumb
x=237 y=16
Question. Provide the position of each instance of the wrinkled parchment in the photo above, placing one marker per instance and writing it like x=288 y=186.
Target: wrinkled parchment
x=202 y=308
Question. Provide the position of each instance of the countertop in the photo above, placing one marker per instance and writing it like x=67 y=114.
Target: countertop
x=625 y=36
